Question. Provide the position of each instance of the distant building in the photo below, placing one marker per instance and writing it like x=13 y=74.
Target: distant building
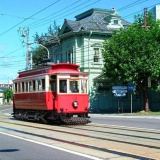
x=1 y=97
x=5 y=86
x=156 y=12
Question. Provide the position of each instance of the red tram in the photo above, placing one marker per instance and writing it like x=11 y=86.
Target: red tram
x=55 y=92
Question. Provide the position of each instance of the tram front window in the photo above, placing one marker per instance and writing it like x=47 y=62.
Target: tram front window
x=74 y=86
x=63 y=86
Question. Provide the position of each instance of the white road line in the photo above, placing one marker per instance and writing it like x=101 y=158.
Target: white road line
x=126 y=127
x=5 y=110
x=123 y=116
x=54 y=147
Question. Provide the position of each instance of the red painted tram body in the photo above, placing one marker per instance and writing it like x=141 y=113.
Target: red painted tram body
x=55 y=92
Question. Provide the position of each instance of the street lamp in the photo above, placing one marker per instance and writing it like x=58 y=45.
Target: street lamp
x=41 y=46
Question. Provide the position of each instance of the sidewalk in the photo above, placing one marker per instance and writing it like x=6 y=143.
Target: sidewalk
x=125 y=115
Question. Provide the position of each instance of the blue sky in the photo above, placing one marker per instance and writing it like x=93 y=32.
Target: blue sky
x=37 y=15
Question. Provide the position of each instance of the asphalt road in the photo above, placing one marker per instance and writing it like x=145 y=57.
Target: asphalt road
x=147 y=122
x=12 y=148
x=107 y=137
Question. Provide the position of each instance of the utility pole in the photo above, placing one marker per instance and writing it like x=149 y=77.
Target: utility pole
x=24 y=32
x=146 y=79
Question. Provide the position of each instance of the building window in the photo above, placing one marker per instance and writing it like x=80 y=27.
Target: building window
x=69 y=56
x=96 y=54
x=115 y=21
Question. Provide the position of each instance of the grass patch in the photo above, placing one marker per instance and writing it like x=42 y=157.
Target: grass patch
x=148 y=113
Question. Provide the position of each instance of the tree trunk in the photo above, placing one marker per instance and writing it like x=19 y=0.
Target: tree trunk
x=146 y=97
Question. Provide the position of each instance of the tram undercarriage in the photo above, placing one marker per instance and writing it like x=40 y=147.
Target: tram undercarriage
x=51 y=117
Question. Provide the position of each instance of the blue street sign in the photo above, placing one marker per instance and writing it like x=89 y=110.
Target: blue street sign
x=119 y=95
x=120 y=91
x=130 y=88
x=119 y=87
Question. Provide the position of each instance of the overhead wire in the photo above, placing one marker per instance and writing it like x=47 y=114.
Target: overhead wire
x=54 y=13
x=42 y=23
x=121 y=8
x=29 y=17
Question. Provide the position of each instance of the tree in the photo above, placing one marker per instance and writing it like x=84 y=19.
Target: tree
x=52 y=30
x=8 y=94
x=133 y=55
x=40 y=53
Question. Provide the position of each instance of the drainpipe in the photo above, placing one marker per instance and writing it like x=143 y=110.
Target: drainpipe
x=88 y=60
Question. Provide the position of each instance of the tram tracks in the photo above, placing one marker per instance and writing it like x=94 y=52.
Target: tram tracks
x=95 y=137
x=106 y=139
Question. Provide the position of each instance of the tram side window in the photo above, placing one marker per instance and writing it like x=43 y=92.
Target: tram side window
x=34 y=85
x=43 y=84
x=39 y=85
x=22 y=86
x=15 y=85
x=84 y=86
x=19 y=88
x=30 y=86
x=26 y=86
x=63 y=86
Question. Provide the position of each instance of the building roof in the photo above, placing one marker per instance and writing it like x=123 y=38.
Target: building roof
x=94 y=19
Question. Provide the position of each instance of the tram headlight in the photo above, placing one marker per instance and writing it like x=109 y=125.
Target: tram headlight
x=75 y=104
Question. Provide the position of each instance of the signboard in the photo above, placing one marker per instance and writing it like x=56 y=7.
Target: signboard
x=130 y=88
x=119 y=91
x=119 y=87
x=119 y=94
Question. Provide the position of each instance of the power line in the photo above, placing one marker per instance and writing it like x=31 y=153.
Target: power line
x=12 y=52
x=29 y=17
x=123 y=8
x=53 y=13
x=66 y=14
x=139 y=11
x=131 y=5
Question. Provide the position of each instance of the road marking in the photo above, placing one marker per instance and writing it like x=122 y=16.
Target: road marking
x=54 y=147
x=116 y=126
x=5 y=110
x=123 y=116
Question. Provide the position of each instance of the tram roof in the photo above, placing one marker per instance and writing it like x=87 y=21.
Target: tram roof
x=51 y=68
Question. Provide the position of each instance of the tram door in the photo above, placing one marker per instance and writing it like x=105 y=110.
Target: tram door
x=52 y=86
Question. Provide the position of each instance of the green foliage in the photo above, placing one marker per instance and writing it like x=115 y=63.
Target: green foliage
x=52 y=30
x=8 y=94
x=133 y=54
x=39 y=53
